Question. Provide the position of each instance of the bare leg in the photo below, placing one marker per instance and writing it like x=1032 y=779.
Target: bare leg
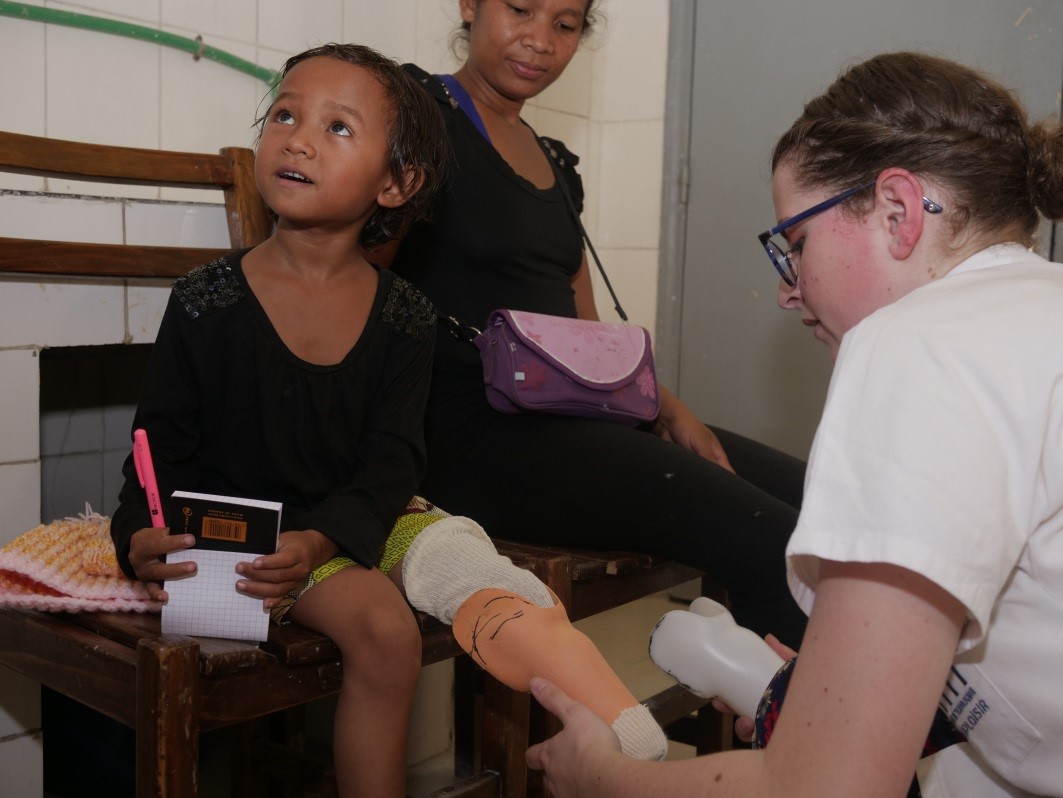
x=368 y=619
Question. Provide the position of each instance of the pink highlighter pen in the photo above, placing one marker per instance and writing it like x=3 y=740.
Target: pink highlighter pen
x=146 y=475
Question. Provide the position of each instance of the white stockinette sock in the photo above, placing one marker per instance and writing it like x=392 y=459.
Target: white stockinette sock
x=640 y=735
x=453 y=558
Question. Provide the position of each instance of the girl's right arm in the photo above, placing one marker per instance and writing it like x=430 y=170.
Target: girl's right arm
x=168 y=409
x=147 y=547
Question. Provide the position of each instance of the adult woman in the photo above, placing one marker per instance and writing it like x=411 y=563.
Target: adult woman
x=929 y=536
x=503 y=237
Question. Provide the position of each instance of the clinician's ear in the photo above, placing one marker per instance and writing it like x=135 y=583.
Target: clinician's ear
x=899 y=198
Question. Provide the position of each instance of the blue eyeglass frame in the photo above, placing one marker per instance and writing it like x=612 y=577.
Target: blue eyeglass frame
x=781 y=260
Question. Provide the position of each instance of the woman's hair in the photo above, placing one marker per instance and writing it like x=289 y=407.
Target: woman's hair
x=460 y=37
x=946 y=122
x=417 y=140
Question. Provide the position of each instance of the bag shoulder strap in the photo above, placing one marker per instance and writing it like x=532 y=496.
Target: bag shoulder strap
x=459 y=98
x=457 y=328
x=553 y=157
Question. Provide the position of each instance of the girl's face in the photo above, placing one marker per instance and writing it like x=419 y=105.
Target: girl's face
x=322 y=158
x=522 y=46
x=841 y=274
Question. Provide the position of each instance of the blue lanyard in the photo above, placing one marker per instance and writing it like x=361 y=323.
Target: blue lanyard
x=465 y=103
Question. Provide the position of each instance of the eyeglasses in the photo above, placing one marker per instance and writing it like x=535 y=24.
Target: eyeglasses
x=779 y=249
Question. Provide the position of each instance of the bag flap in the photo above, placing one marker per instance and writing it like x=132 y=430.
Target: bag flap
x=598 y=354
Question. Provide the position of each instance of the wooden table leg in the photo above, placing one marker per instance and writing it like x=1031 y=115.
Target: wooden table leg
x=468 y=702
x=167 y=717
x=505 y=736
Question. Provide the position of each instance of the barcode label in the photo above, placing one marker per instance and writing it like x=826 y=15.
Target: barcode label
x=224 y=529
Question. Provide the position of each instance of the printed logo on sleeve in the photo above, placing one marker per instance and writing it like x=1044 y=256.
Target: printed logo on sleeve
x=986 y=718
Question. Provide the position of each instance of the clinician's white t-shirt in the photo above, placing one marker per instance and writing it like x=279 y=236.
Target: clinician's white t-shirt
x=941 y=450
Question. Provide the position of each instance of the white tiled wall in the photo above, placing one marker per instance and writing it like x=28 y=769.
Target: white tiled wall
x=36 y=314
x=55 y=313
x=90 y=86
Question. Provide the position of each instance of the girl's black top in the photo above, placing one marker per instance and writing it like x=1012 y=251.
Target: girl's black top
x=230 y=410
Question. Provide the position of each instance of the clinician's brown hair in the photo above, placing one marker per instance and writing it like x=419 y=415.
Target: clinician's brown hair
x=941 y=120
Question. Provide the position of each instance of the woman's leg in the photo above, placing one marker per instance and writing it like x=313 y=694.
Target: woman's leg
x=552 y=479
x=775 y=472
x=375 y=631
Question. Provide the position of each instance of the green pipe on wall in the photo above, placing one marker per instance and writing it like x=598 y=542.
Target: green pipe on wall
x=194 y=46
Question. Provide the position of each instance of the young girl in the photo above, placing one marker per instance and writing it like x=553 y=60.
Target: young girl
x=296 y=371
x=928 y=547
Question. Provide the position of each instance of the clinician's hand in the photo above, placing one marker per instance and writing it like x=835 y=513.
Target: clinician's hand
x=583 y=748
x=744 y=725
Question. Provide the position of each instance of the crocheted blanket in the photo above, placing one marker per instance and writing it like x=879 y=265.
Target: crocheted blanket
x=69 y=566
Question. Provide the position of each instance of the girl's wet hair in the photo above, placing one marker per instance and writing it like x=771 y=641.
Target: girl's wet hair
x=417 y=140
x=943 y=121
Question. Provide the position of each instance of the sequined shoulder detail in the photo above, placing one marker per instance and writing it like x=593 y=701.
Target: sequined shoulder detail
x=213 y=286
x=407 y=310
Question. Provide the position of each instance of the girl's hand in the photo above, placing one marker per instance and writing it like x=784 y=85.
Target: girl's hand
x=272 y=576
x=678 y=424
x=147 y=547
x=744 y=725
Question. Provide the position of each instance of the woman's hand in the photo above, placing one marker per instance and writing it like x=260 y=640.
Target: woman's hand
x=745 y=726
x=272 y=576
x=582 y=749
x=147 y=547
x=678 y=424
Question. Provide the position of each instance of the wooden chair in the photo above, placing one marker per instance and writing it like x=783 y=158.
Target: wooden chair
x=231 y=171
x=169 y=688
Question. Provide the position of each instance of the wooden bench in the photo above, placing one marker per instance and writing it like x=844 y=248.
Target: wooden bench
x=170 y=689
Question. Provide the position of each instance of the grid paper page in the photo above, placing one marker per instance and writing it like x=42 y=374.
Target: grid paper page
x=208 y=604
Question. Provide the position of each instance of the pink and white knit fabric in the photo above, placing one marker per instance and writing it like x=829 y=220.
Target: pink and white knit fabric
x=69 y=566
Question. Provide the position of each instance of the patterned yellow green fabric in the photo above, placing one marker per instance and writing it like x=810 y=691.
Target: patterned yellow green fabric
x=323 y=572
x=418 y=514
x=408 y=527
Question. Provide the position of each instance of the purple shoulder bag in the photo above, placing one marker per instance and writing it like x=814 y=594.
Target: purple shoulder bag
x=538 y=363
x=550 y=364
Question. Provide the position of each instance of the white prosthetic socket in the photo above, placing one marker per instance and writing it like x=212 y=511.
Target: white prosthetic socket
x=453 y=558
x=513 y=626
x=709 y=654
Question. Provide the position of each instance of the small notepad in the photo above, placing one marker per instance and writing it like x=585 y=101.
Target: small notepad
x=228 y=530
